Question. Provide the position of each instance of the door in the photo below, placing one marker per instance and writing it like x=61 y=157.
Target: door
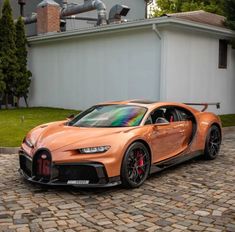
x=170 y=134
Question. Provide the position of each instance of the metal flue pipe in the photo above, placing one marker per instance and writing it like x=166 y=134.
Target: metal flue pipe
x=30 y=19
x=81 y=18
x=88 y=5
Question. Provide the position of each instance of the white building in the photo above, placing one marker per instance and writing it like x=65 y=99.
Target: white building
x=181 y=58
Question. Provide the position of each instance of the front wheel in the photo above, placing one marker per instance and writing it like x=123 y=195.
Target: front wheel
x=213 y=142
x=135 y=166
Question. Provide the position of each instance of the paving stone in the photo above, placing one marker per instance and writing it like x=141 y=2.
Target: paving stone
x=216 y=213
x=202 y=213
x=195 y=196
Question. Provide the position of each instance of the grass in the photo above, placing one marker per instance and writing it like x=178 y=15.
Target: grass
x=15 y=123
x=228 y=120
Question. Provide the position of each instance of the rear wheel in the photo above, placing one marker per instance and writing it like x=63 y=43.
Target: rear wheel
x=213 y=142
x=135 y=165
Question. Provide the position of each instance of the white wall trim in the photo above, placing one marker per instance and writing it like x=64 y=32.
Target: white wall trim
x=160 y=22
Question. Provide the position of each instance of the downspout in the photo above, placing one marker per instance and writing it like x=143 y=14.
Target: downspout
x=154 y=27
x=162 y=83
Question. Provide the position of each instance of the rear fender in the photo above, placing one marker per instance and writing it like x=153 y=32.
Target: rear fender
x=204 y=122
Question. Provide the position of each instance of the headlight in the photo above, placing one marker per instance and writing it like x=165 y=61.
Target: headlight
x=92 y=150
x=28 y=142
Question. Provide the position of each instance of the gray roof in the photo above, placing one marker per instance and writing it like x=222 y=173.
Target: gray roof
x=201 y=16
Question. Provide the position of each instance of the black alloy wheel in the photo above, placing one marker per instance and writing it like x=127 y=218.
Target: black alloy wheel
x=213 y=142
x=135 y=166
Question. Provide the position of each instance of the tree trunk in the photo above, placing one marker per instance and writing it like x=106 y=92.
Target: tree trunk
x=17 y=102
x=26 y=102
x=6 y=100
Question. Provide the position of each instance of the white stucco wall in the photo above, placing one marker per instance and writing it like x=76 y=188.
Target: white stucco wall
x=191 y=73
x=132 y=63
x=81 y=72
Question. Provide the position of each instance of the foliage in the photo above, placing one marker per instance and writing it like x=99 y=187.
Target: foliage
x=23 y=80
x=229 y=9
x=10 y=69
x=228 y=120
x=15 y=123
x=2 y=83
x=175 y=6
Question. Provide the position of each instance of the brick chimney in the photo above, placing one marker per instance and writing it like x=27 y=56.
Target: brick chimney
x=48 y=17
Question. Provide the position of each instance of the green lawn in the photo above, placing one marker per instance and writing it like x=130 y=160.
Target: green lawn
x=228 y=120
x=15 y=123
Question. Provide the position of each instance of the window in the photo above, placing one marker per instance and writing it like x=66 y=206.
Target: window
x=184 y=115
x=223 y=53
x=110 y=116
x=162 y=115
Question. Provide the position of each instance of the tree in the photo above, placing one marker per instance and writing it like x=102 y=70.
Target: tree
x=229 y=9
x=175 y=6
x=10 y=69
x=2 y=83
x=22 y=83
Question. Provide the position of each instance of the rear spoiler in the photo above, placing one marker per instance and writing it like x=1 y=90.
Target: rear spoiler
x=205 y=105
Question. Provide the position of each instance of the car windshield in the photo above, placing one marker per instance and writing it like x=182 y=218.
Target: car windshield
x=110 y=116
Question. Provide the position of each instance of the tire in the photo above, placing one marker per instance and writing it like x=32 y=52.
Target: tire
x=135 y=165
x=213 y=142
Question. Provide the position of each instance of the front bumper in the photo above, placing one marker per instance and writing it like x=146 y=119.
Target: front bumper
x=83 y=174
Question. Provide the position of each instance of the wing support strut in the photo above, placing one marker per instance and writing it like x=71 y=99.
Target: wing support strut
x=217 y=104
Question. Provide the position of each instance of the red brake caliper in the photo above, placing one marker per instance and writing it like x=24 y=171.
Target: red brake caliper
x=140 y=163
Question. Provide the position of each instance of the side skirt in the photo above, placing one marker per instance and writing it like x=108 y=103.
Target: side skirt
x=156 y=167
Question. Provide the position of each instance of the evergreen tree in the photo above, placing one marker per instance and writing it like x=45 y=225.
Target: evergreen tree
x=229 y=10
x=2 y=83
x=175 y=6
x=10 y=69
x=23 y=80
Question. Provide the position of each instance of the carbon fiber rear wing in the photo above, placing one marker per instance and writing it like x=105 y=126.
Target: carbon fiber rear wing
x=205 y=105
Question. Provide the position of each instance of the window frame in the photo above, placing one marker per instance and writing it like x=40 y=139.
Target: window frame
x=223 y=54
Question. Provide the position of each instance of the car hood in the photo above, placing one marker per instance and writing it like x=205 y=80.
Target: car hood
x=57 y=136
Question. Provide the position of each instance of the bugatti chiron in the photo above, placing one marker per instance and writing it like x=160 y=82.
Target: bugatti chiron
x=118 y=143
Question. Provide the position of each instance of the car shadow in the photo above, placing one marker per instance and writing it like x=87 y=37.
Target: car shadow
x=173 y=168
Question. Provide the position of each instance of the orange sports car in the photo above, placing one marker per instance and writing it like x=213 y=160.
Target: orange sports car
x=118 y=143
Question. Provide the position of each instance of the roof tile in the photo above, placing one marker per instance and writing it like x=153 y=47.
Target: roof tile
x=200 y=17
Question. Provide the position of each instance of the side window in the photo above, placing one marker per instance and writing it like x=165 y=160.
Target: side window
x=183 y=115
x=163 y=115
x=148 y=121
x=155 y=116
x=158 y=114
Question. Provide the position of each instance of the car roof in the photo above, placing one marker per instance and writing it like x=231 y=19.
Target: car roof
x=148 y=104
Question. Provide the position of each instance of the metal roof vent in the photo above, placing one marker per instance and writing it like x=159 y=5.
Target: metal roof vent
x=117 y=12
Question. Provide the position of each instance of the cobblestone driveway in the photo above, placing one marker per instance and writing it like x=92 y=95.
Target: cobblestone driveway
x=196 y=196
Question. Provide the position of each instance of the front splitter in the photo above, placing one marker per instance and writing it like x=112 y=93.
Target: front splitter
x=57 y=183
